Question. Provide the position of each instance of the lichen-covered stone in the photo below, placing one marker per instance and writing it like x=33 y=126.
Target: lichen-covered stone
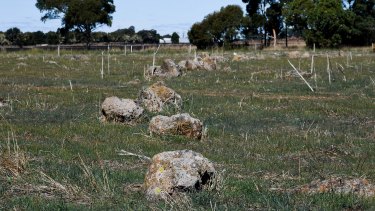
x=158 y=96
x=167 y=70
x=175 y=171
x=179 y=124
x=119 y=110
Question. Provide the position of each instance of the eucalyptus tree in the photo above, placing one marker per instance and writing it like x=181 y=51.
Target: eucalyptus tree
x=83 y=16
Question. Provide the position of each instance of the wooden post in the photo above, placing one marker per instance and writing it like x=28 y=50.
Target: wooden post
x=329 y=71
x=131 y=49
x=125 y=47
x=108 y=61
x=58 y=50
x=102 y=70
x=274 y=38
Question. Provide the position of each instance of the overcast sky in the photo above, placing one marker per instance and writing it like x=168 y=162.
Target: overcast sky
x=166 y=16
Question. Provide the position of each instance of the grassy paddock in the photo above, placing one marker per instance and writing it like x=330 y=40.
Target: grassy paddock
x=265 y=130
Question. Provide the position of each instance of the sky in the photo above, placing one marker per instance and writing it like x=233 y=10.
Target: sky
x=166 y=16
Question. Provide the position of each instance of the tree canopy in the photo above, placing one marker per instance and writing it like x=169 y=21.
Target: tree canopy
x=326 y=23
x=217 y=27
x=83 y=16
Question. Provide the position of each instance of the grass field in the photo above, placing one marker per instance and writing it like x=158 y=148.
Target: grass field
x=266 y=132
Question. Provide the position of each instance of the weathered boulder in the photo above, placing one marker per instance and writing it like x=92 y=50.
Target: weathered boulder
x=339 y=185
x=179 y=124
x=119 y=110
x=207 y=63
x=190 y=65
x=156 y=97
x=177 y=171
x=168 y=69
x=238 y=58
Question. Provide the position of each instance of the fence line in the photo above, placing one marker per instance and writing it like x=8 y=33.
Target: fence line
x=101 y=46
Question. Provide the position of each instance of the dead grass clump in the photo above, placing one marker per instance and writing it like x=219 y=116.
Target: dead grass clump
x=13 y=161
x=51 y=189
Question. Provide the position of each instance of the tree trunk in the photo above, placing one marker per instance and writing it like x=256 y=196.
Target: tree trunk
x=274 y=38
x=87 y=35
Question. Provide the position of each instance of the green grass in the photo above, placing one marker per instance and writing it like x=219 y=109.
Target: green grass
x=261 y=125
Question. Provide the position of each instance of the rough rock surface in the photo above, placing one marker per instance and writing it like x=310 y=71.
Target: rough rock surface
x=237 y=58
x=156 y=97
x=125 y=111
x=202 y=62
x=179 y=124
x=339 y=185
x=168 y=69
x=175 y=171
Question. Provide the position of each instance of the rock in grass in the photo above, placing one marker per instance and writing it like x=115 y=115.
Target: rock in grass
x=339 y=185
x=202 y=63
x=156 y=97
x=179 y=124
x=167 y=70
x=119 y=110
x=177 y=171
x=3 y=103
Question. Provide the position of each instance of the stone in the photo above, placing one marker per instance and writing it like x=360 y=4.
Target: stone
x=179 y=124
x=125 y=111
x=168 y=69
x=158 y=96
x=190 y=65
x=238 y=58
x=339 y=185
x=177 y=171
x=3 y=103
x=209 y=63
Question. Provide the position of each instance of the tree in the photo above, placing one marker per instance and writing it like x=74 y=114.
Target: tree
x=84 y=16
x=328 y=24
x=123 y=35
x=199 y=36
x=149 y=36
x=3 y=40
x=364 y=18
x=256 y=10
x=296 y=14
x=52 y=38
x=218 y=27
x=15 y=36
x=175 y=38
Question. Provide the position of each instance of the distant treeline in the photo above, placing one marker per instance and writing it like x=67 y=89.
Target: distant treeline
x=15 y=36
x=321 y=23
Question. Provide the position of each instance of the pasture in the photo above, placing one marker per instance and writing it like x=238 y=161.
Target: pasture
x=267 y=133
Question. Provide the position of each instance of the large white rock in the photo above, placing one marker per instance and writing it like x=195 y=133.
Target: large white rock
x=125 y=111
x=179 y=124
x=158 y=96
x=176 y=171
